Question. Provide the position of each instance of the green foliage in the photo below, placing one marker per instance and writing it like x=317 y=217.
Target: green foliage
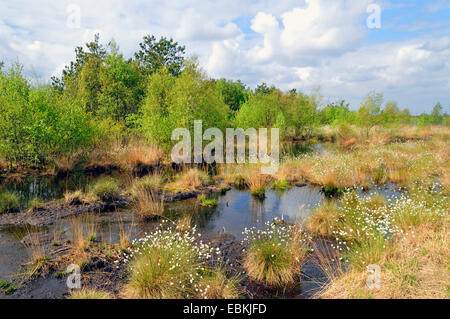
x=39 y=123
x=234 y=94
x=369 y=111
x=122 y=87
x=207 y=202
x=95 y=52
x=335 y=113
x=164 y=53
x=293 y=113
x=175 y=102
x=263 y=88
x=261 y=110
x=7 y=287
x=106 y=189
x=300 y=112
x=103 y=96
x=9 y=201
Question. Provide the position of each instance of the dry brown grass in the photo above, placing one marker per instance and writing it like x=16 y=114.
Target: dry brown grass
x=407 y=164
x=184 y=223
x=275 y=261
x=190 y=179
x=320 y=222
x=83 y=232
x=67 y=163
x=216 y=285
x=415 y=267
x=242 y=175
x=124 y=235
x=149 y=205
x=37 y=251
x=147 y=183
x=256 y=181
x=138 y=152
x=78 y=197
x=292 y=171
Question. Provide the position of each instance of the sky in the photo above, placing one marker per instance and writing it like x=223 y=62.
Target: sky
x=347 y=48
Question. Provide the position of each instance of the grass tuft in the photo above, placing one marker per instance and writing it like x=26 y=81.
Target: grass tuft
x=274 y=256
x=89 y=294
x=106 y=189
x=9 y=202
x=149 y=205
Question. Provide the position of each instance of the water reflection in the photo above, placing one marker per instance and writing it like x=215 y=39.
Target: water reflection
x=238 y=209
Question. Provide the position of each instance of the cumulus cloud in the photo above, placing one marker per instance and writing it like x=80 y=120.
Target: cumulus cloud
x=320 y=28
x=291 y=43
x=195 y=27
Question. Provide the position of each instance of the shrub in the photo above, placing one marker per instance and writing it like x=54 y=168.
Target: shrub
x=275 y=255
x=39 y=124
x=175 y=102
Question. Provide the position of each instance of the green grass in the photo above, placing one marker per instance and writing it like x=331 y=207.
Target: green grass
x=7 y=286
x=280 y=185
x=90 y=294
x=259 y=192
x=35 y=203
x=106 y=189
x=91 y=238
x=172 y=265
x=9 y=202
x=207 y=202
x=147 y=183
x=274 y=256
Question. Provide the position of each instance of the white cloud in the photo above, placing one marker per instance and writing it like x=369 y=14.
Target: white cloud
x=190 y=29
x=320 y=28
x=291 y=43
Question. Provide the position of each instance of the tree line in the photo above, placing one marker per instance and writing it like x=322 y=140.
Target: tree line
x=102 y=96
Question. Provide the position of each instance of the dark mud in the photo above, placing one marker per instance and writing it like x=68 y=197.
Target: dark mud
x=50 y=212
x=104 y=273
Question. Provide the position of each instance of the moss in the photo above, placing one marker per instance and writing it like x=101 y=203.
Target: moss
x=7 y=287
x=330 y=190
x=280 y=185
x=259 y=192
x=207 y=202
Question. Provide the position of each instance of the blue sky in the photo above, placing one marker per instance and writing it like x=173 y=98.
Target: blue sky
x=302 y=44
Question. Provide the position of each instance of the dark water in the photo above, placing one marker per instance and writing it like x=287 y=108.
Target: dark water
x=51 y=187
x=238 y=209
x=47 y=188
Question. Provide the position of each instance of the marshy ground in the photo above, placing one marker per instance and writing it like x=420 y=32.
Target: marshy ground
x=336 y=205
